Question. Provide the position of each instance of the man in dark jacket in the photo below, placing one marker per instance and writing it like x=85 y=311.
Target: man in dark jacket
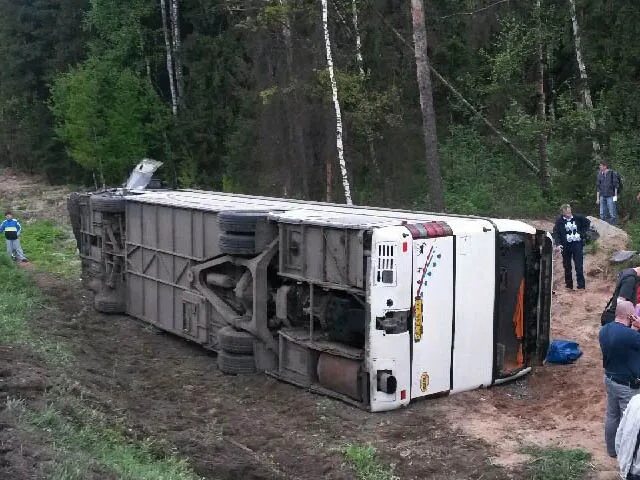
x=628 y=283
x=607 y=189
x=569 y=234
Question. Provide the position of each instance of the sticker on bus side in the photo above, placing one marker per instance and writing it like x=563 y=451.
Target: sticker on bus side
x=424 y=381
x=417 y=333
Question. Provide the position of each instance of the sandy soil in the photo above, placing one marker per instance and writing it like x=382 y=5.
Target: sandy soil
x=253 y=427
x=558 y=404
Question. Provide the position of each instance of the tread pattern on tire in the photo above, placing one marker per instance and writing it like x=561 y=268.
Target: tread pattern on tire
x=236 y=364
x=240 y=221
x=237 y=244
x=235 y=341
x=107 y=203
x=108 y=304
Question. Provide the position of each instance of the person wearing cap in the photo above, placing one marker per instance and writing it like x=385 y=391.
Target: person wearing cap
x=11 y=228
x=569 y=234
x=620 y=345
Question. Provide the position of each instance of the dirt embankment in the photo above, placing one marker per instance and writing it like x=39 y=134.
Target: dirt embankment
x=558 y=404
x=254 y=427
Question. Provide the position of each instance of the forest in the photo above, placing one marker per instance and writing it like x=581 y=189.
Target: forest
x=298 y=98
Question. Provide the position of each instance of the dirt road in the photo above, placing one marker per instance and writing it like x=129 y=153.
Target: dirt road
x=253 y=427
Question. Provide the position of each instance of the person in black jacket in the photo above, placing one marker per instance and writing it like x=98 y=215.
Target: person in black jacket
x=628 y=283
x=569 y=234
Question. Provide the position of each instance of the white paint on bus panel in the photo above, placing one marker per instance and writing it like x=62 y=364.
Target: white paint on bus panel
x=474 y=310
x=433 y=289
x=389 y=352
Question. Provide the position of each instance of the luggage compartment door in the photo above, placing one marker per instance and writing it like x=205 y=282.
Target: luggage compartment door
x=433 y=311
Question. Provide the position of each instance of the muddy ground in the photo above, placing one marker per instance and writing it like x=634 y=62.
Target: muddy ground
x=254 y=427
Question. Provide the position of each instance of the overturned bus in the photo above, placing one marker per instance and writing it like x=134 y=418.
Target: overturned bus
x=375 y=307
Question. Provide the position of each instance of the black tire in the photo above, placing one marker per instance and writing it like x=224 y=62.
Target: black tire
x=236 y=364
x=240 y=221
x=73 y=206
x=237 y=244
x=107 y=203
x=108 y=304
x=235 y=341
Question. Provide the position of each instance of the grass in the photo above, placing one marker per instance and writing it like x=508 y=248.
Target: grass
x=633 y=229
x=18 y=298
x=364 y=460
x=86 y=442
x=592 y=247
x=21 y=299
x=554 y=463
x=51 y=248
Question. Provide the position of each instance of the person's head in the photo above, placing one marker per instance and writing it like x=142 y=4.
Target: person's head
x=565 y=210
x=624 y=308
x=8 y=215
x=603 y=165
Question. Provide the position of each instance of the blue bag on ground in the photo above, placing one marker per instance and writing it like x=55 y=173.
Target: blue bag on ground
x=563 y=351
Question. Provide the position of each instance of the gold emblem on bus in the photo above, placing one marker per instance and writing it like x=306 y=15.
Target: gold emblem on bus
x=424 y=381
x=417 y=331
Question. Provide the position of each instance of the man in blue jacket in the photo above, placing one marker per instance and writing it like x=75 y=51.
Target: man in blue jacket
x=11 y=228
x=620 y=345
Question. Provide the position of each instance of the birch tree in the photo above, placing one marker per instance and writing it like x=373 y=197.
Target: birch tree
x=176 y=46
x=434 y=177
x=356 y=28
x=336 y=104
x=584 y=79
x=169 y=52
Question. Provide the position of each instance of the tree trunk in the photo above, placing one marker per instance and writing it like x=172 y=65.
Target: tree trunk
x=329 y=180
x=552 y=90
x=167 y=44
x=359 y=59
x=545 y=177
x=177 y=45
x=434 y=178
x=297 y=142
x=584 y=79
x=146 y=57
x=336 y=104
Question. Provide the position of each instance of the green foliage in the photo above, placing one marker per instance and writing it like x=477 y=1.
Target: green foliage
x=20 y=300
x=109 y=119
x=591 y=248
x=364 y=461
x=555 y=463
x=514 y=47
x=633 y=229
x=254 y=72
x=477 y=176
